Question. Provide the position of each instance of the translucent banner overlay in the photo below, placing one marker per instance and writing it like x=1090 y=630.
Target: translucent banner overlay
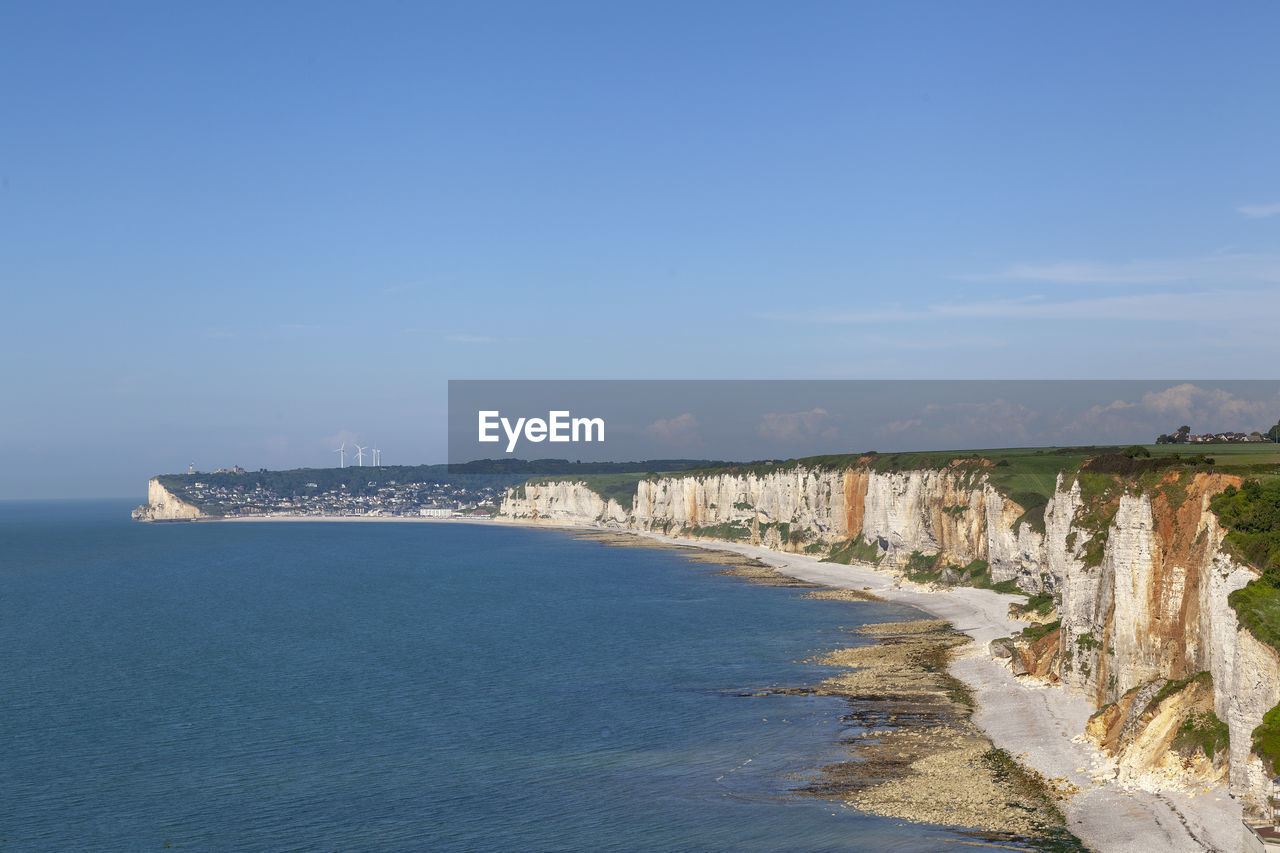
x=749 y=420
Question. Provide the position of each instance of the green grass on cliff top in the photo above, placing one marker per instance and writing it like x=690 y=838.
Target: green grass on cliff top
x=1027 y=475
x=1028 y=469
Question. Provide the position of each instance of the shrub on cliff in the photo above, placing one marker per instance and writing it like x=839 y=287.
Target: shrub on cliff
x=1266 y=739
x=1251 y=515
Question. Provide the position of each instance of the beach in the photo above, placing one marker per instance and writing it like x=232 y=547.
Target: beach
x=399 y=519
x=1041 y=725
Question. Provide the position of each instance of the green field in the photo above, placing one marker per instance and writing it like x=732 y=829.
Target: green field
x=1261 y=460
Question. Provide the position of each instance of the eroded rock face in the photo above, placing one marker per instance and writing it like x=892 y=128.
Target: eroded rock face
x=1040 y=658
x=1247 y=674
x=1163 y=732
x=562 y=503
x=1150 y=604
x=1157 y=608
x=946 y=511
x=824 y=504
x=163 y=505
x=1015 y=551
x=930 y=511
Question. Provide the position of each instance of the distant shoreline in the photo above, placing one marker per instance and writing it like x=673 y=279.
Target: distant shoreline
x=411 y=519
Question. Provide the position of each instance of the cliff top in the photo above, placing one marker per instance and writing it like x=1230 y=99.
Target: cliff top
x=1025 y=475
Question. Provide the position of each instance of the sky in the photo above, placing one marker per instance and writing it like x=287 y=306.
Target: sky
x=745 y=420
x=243 y=233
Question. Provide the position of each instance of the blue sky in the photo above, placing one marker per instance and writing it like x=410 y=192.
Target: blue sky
x=233 y=233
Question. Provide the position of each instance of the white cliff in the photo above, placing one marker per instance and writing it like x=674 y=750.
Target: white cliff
x=951 y=512
x=1150 y=604
x=164 y=505
x=562 y=503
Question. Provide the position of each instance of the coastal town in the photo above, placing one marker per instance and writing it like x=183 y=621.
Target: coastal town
x=372 y=499
x=1184 y=435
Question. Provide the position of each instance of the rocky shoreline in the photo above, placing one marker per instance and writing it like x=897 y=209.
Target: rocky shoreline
x=914 y=753
x=1035 y=729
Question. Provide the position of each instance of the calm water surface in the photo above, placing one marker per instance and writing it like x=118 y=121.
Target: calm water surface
x=404 y=687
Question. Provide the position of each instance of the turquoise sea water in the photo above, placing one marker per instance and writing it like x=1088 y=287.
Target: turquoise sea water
x=405 y=687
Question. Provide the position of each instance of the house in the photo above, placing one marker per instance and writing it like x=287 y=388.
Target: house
x=1261 y=839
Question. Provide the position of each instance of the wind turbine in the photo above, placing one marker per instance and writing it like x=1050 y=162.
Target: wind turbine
x=342 y=455
x=360 y=454
x=377 y=456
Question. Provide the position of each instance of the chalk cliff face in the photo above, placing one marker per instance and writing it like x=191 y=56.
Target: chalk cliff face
x=948 y=512
x=562 y=503
x=163 y=505
x=1156 y=608
x=1141 y=594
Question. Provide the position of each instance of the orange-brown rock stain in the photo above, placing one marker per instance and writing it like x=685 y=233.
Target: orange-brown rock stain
x=1179 y=562
x=960 y=532
x=1041 y=658
x=1104 y=727
x=856 y=481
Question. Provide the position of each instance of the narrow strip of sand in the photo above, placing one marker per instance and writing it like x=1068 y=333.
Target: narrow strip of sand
x=396 y=519
x=1041 y=725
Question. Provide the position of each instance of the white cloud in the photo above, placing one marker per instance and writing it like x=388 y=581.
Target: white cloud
x=1216 y=307
x=932 y=343
x=999 y=423
x=1217 y=409
x=790 y=427
x=1259 y=211
x=901 y=426
x=470 y=339
x=1146 y=306
x=1133 y=272
x=844 y=318
x=1230 y=268
x=681 y=430
x=1204 y=409
x=1203 y=306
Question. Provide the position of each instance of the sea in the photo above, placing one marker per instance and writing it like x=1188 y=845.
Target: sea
x=408 y=687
